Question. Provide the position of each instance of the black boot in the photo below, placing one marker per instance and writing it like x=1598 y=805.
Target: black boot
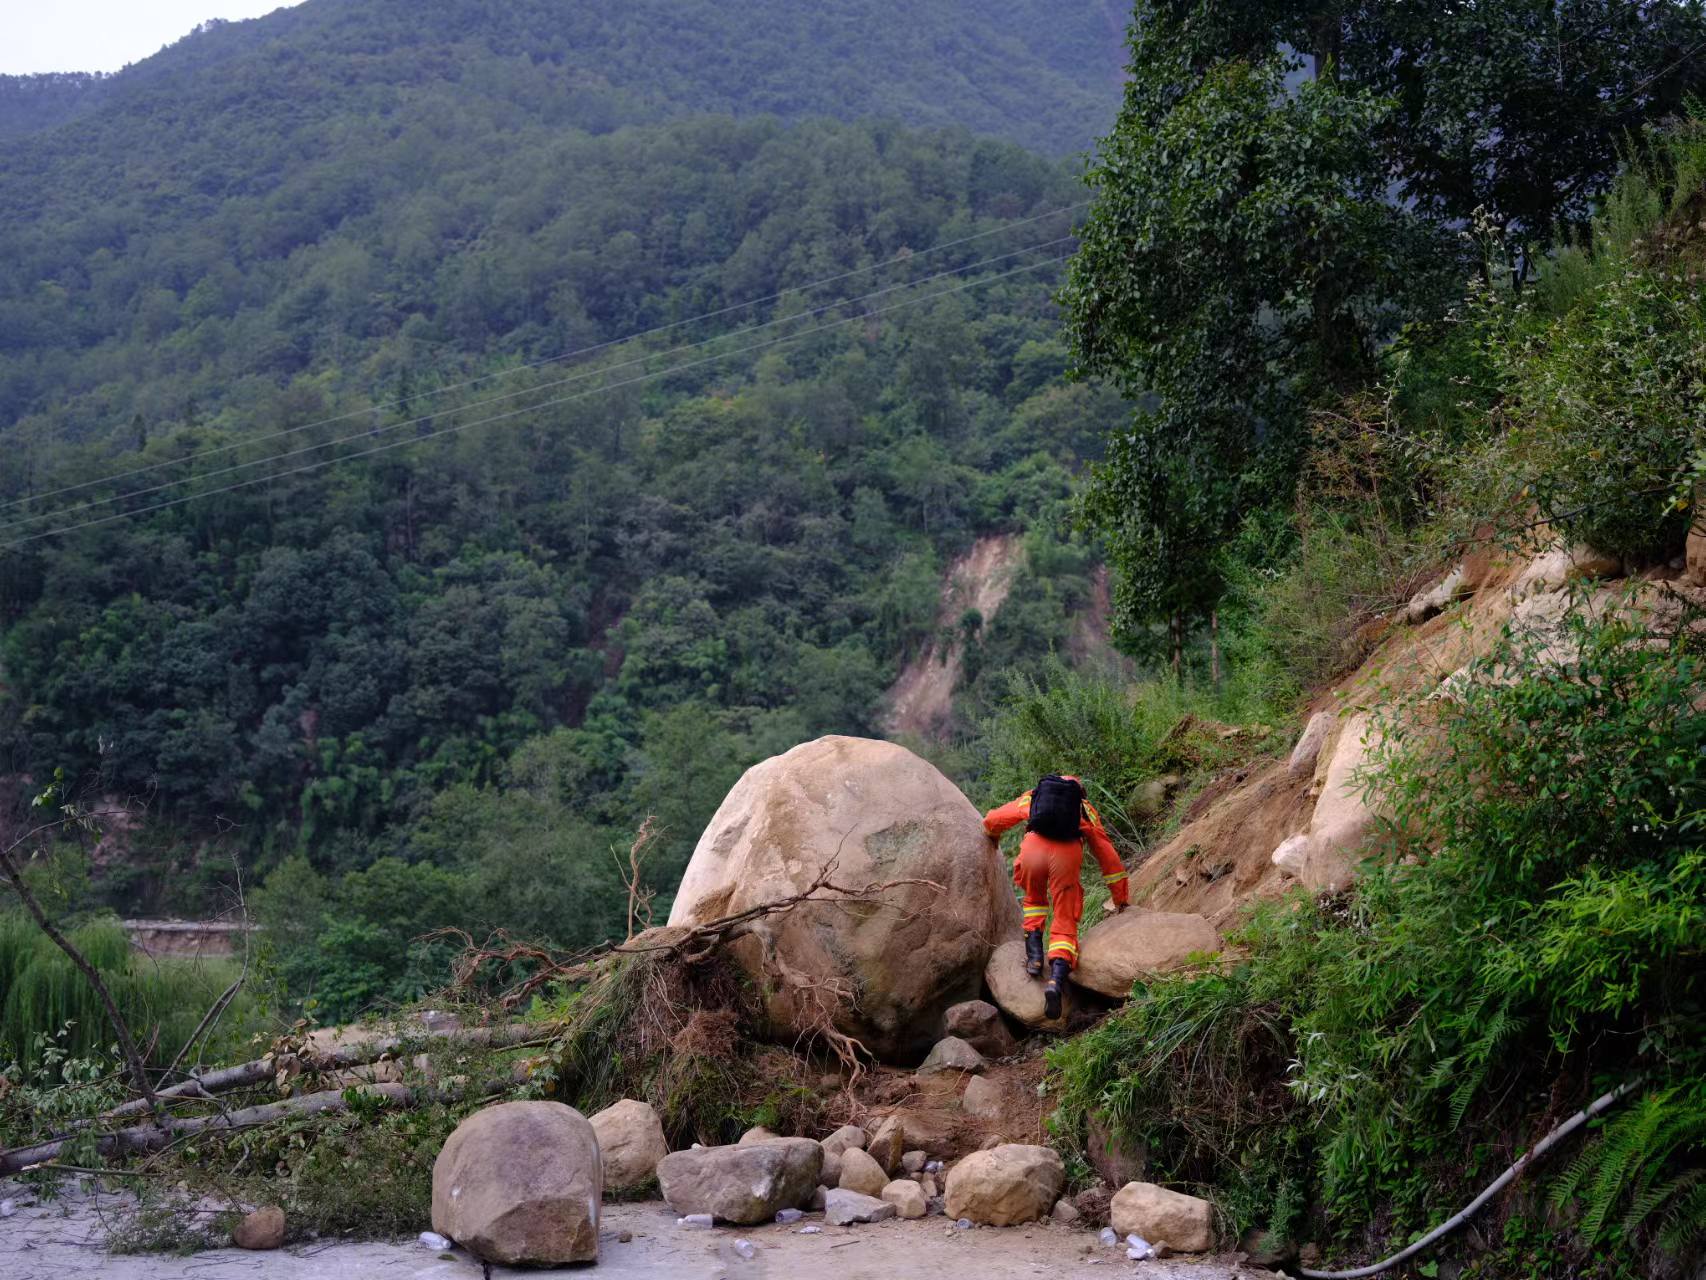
x=1056 y=984
x=1034 y=952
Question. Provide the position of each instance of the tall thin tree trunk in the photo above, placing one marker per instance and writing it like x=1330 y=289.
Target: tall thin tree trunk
x=1214 y=646
x=1178 y=624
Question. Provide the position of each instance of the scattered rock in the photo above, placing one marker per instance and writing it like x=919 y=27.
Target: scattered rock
x=927 y=1184
x=907 y=1197
x=745 y=1185
x=983 y=1098
x=1292 y=855
x=1115 y=1161
x=913 y=1162
x=951 y=1054
x=1005 y=1185
x=1150 y=800
x=758 y=1133
x=848 y=1135
x=879 y=813
x=1162 y=1217
x=1065 y=1213
x=631 y=1142
x=1309 y=744
x=843 y=1208
x=521 y=1183
x=979 y=1024
x=1265 y=1249
x=262 y=1229
x=1019 y=995
x=1118 y=951
x=859 y=1172
x=888 y=1144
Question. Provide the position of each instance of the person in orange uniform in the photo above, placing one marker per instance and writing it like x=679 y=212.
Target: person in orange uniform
x=1058 y=821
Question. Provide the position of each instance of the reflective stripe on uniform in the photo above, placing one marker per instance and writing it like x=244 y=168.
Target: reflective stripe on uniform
x=1061 y=944
x=1115 y=878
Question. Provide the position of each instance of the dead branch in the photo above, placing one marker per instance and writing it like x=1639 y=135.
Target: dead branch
x=218 y=1007
x=639 y=897
x=691 y=946
x=13 y=875
x=151 y=1137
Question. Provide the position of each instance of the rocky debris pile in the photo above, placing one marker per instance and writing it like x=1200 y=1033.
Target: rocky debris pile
x=864 y=813
x=521 y=1183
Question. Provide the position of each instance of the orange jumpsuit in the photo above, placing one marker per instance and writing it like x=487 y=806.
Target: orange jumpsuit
x=1047 y=871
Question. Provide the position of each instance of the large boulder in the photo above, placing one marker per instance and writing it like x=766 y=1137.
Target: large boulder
x=1183 y=1223
x=1123 y=948
x=744 y=1185
x=1005 y=1185
x=979 y=1024
x=1017 y=992
x=521 y=1183
x=631 y=1141
x=869 y=812
x=951 y=1054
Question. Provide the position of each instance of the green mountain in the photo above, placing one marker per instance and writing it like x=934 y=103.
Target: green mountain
x=317 y=544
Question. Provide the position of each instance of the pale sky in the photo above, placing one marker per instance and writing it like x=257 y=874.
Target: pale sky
x=104 y=35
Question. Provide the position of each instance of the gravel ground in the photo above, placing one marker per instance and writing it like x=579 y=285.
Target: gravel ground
x=65 y=1239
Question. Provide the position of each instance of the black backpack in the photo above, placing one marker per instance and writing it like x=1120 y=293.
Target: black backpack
x=1057 y=808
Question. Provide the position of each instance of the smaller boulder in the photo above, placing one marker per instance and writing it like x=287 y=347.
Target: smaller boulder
x=1019 y=995
x=979 y=1024
x=843 y=1208
x=1149 y=801
x=262 y=1229
x=888 y=1144
x=630 y=1138
x=983 y=1099
x=758 y=1133
x=860 y=1173
x=1309 y=744
x=1009 y=1184
x=1117 y=952
x=1182 y=1223
x=907 y=1197
x=951 y=1054
x=1065 y=1213
x=830 y=1174
x=848 y=1135
x=743 y=1185
x=913 y=1162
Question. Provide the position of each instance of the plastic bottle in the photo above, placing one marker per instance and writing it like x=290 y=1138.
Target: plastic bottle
x=1106 y=1236
x=1138 y=1249
x=695 y=1222
x=964 y=1224
x=432 y=1240
x=744 y=1249
x=789 y=1215
x=810 y=1229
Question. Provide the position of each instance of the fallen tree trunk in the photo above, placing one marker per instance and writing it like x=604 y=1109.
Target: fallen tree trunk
x=152 y=1137
x=246 y=1074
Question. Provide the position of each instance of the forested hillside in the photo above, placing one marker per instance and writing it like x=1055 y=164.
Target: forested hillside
x=436 y=684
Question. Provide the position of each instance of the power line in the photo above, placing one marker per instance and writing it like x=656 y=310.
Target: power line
x=544 y=386
x=904 y=256
x=514 y=413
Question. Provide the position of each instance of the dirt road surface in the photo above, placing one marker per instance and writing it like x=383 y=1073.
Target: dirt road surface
x=65 y=1239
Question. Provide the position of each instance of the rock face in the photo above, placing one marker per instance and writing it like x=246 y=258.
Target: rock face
x=1121 y=949
x=1005 y=1185
x=878 y=813
x=262 y=1229
x=521 y=1183
x=862 y=1174
x=907 y=1197
x=951 y=1054
x=979 y=1024
x=1326 y=855
x=743 y=1185
x=1309 y=744
x=1182 y=1223
x=631 y=1142
x=1017 y=992
x=842 y=1208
